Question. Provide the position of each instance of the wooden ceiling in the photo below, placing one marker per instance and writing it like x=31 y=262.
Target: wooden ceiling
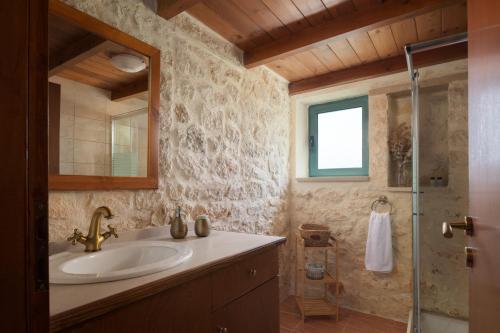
x=307 y=41
x=79 y=55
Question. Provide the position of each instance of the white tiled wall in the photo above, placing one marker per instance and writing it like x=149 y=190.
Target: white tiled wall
x=85 y=128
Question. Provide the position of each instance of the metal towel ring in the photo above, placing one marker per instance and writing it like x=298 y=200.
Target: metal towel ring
x=382 y=200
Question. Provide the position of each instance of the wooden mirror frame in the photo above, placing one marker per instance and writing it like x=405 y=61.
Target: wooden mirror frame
x=80 y=182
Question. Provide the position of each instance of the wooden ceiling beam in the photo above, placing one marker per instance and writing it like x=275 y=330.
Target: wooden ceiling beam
x=76 y=52
x=170 y=8
x=130 y=90
x=342 y=27
x=379 y=68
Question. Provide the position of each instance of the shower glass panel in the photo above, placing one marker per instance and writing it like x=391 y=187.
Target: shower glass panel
x=439 y=193
x=443 y=186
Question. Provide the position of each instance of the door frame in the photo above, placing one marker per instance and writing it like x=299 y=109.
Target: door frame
x=24 y=304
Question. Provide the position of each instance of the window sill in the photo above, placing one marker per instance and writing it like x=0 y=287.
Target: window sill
x=333 y=179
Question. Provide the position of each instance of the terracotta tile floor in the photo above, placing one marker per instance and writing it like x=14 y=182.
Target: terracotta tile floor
x=350 y=322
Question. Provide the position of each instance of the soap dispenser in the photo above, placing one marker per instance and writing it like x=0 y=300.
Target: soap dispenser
x=178 y=229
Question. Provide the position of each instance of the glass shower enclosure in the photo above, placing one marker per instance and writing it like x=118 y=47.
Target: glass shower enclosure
x=439 y=193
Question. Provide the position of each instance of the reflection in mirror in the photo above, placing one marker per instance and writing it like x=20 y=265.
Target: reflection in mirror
x=98 y=104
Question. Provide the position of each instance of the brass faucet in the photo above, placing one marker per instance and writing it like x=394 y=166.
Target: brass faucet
x=94 y=239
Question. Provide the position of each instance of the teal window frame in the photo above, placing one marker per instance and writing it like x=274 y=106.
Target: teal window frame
x=314 y=111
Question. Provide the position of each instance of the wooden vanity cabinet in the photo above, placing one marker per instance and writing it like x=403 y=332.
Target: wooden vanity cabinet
x=256 y=311
x=241 y=295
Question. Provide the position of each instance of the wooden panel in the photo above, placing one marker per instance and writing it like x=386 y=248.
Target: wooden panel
x=291 y=68
x=36 y=193
x=170 y=8
x=216 y=23
x=365 y=4
x=75 y=52
x=328 y=58
x=314 y=11
x=340 y=28
x=182 y=309
x=384 y=42
x=257 y=311
x=364 y=48
x=339 y=7
x=404 y=32
x=378 y=68
x=454 y=19
x=91 y=24
x=345 y=53
x=286 y=11
x=237 y=279
x=483 y=13
x=84 y=76
x=23 y=180
x=429 y=25
x=312 y=62
x=54 y=126
x=281 y=66
x=238 y=19
x=264 y=18
x=98 y=71
x=63 y=33
x=484 y=164
x=130 y=90
x=100 y=63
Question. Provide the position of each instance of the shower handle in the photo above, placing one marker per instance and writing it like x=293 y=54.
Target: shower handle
x=467 y=225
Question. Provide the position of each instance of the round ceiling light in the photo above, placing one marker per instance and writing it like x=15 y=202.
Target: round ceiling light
x=128 y=63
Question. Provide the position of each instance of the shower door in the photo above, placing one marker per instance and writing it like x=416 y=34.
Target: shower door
x=440 y=187
x=443 y=197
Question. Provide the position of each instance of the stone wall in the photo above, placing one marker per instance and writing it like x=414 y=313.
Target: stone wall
x=224 y=135
x=345 y=208
x=225 y=149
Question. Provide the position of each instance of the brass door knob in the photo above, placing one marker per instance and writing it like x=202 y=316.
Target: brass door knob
x=467 y=225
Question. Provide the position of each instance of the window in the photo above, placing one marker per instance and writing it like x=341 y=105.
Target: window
x=338 y=138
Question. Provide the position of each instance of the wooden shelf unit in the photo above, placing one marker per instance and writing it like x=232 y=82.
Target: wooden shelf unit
x=318 y=306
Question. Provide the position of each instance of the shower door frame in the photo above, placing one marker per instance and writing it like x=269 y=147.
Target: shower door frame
x=411 y=49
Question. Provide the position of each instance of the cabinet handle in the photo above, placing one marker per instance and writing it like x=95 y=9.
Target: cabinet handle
x=253 y=272
x=222 y=330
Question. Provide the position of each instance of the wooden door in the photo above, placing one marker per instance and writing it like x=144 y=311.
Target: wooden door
x=484 y=163
x=23 y=172
x=257 y=311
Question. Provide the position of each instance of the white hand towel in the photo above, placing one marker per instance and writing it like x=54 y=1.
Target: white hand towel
x=378 y=257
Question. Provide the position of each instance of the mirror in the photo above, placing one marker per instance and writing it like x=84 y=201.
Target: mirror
x=103 y=105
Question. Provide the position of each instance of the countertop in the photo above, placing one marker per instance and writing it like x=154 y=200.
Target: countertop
x=207 y=251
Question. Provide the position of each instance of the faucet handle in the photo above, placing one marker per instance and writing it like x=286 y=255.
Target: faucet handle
x=112 y=231
x=77 y=236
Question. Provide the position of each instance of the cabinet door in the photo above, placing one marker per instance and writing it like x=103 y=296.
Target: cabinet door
x=184 y=309
x=257 y=311
x=243 y=276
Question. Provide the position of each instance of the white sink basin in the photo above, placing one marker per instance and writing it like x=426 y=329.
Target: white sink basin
x=116 y=262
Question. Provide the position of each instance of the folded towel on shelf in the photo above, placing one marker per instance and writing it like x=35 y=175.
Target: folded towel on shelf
x=378 y=257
